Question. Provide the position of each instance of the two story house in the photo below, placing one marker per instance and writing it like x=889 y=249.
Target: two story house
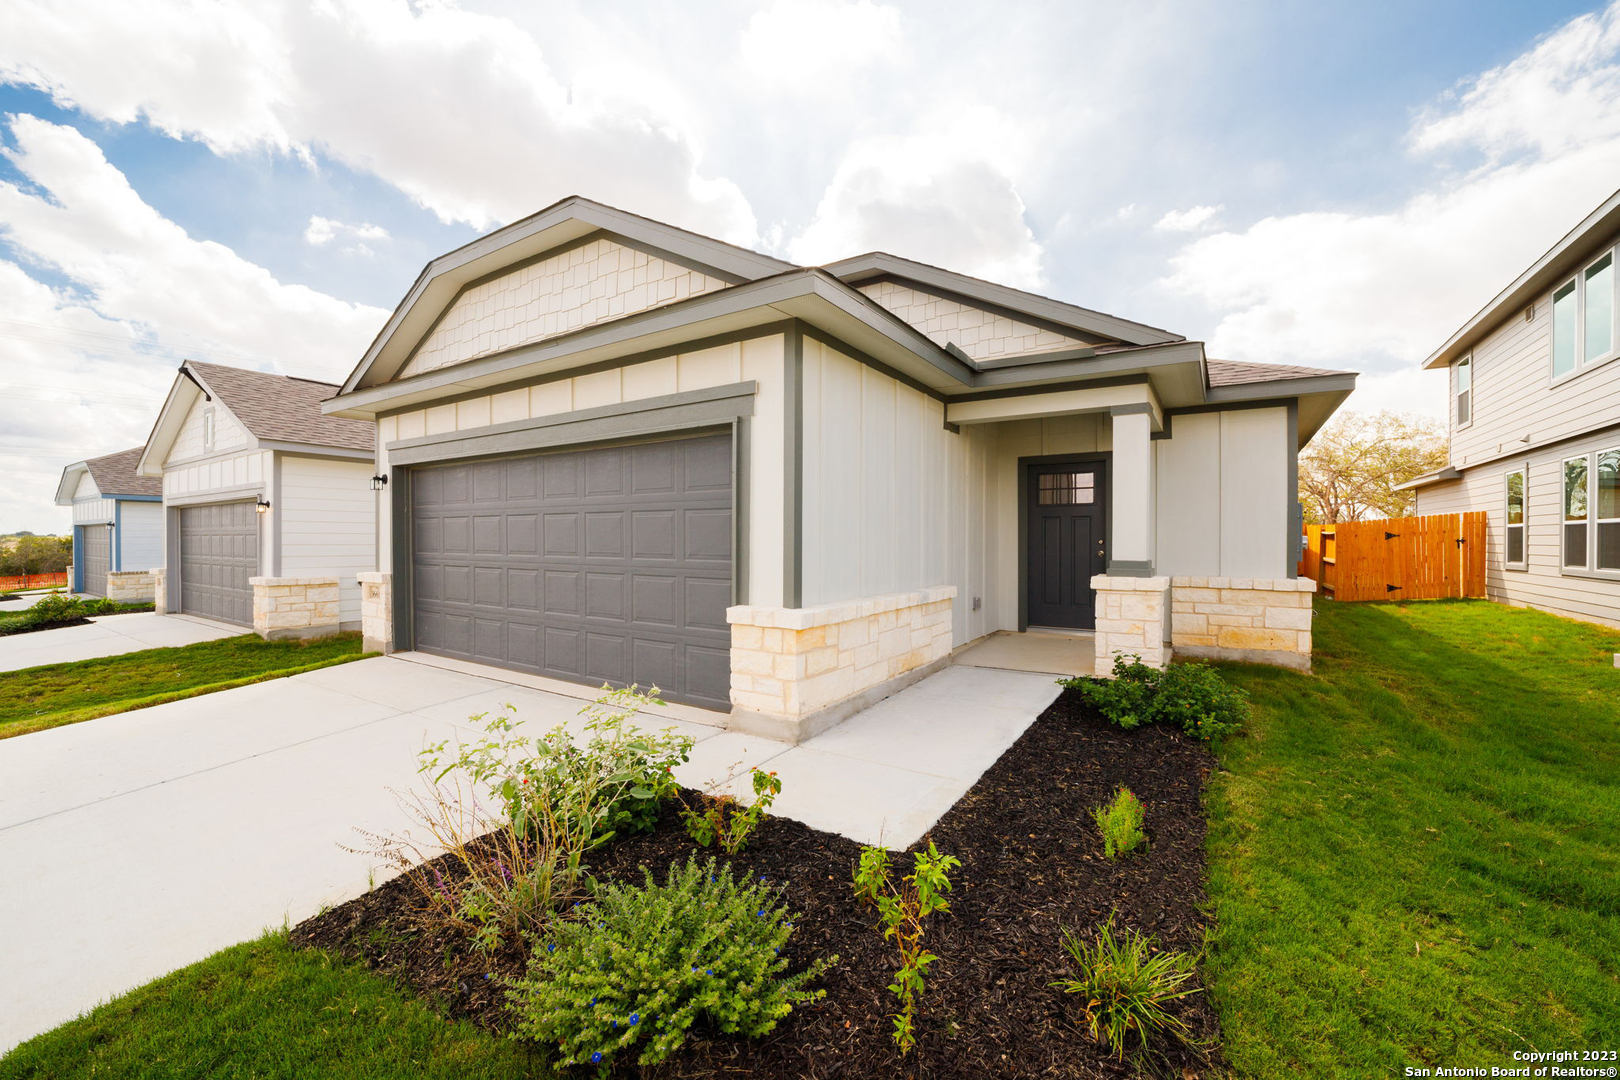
x=1535 y=428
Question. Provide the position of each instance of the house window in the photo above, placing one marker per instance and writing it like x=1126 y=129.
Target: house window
x=1575 y=508
x=1066 y=489
x=1606 y=482
x=208 y=430
x=1583 y=312
x=1465 y=391
x=1515 y=518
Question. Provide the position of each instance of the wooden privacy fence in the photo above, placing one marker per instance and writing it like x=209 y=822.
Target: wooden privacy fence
x=34 y=581
x=1416 y=558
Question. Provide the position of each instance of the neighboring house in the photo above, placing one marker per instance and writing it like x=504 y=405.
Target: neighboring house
x=1535 y=428
x=268 y=503
x=621 y=451
x=117 y=525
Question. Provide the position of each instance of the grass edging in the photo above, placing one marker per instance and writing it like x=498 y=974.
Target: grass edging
x=74 y=716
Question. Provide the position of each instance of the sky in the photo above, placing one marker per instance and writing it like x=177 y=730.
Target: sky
x=257 y=184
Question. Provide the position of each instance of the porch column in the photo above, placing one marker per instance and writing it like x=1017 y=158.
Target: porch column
x=1131 y=497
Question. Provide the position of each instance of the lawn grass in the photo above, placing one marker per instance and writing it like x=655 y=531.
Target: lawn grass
x=55 y=694
x=268 y=1011
x=1414 y=858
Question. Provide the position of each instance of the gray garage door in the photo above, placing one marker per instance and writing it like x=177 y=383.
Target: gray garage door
x=96 y=550
x=219 y=551
x=608 y=565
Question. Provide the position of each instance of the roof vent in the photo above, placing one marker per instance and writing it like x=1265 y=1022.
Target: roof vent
x=1530 y=313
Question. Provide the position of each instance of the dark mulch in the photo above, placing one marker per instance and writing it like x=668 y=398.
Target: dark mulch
x=1031 y=862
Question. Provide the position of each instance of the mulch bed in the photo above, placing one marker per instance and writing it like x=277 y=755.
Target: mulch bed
x=1031 y=863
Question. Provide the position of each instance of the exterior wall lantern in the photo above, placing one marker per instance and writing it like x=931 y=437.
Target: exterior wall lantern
x=262 y=505
x=379 y=482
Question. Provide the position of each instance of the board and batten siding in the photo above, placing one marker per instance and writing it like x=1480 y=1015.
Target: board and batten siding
x=759 y=360
x=328 y=524
x=1514 y=395
x=92 y=511
x=893 y=501
x=1223 y=493
x=229 y=434
x=1542 y=584
x=237 y=476
x=139 y=543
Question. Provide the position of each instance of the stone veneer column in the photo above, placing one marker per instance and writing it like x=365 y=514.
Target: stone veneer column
x=131 y=586
x=1130 y=620
x=377 y=611
x=294 y=607
x=160 y=591
x=1262 y=620
x=795 y=672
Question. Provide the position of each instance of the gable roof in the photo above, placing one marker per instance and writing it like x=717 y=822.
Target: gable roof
x=113 y=474
x=1559 y=262
x=282 y=408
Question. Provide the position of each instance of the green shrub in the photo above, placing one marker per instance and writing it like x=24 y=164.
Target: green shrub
x=723 y=819
x=1126 y=985
x=97 y=605
x=56 y=607
x=902 y=908
x=1120 y=823
x=1191 y=695
x=641 y=965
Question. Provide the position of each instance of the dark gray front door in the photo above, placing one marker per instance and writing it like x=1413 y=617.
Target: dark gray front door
x=1066 y=531
x=219 y=551
x=96 y=551
x=606 y=565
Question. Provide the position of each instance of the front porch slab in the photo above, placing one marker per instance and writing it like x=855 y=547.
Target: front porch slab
x=1034 y=651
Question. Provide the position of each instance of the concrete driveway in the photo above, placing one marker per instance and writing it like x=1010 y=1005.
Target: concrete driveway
x=108 y=635
x=139 y=843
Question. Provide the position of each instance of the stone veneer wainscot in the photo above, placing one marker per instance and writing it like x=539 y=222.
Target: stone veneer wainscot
x=132 y=586
x=1262 y=620
x=294 y=607
x=796 y=672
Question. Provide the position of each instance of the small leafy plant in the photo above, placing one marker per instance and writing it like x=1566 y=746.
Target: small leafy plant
x=1191 y=695
x=1120 y=822
x=1126 y=985
x=901 y=909
x=641 y=965
x=724 y=820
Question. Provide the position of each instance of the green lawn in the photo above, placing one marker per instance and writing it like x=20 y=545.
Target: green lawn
x=267 y=1011
x=42 y=697
x=1415 y=855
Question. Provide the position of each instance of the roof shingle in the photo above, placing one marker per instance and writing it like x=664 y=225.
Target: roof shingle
x=115 y=474
x=1239 y=372
x=284 y=409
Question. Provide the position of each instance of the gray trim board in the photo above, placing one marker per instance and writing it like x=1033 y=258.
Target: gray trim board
x=1317 y=384
x=740 y=473
x=401 y=583
x=316 y=450
x=235 y=494
x=1133 y=408
x=793 y=469
x=670 y=412
x=1130 y=568
x=1052 y=388
x=1031 y=359
x=1296 y=514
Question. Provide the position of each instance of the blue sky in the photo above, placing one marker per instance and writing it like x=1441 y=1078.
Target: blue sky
x=1333 y=185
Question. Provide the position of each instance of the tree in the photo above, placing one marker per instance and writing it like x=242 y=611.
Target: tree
x=37 y=555
x=1349 y=472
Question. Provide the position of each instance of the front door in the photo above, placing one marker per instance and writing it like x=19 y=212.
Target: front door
x=1066 y=529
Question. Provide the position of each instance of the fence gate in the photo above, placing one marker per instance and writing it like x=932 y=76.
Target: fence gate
x=1416 y=558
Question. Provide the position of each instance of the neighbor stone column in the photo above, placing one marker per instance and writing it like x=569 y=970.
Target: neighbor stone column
x=160 y=591
x=294 y=607
x=1130 y=620
x=377 y=611
x=131 y=586
x=1260 y=620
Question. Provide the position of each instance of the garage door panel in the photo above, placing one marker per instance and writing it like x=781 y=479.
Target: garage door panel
x=219 y=552
x=614 y=565
x=95 y=543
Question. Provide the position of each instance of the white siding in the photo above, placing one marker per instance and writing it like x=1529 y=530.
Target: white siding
x=1513 y=395
x=328 y=524
x=981 y=334
x=892 y=500
x=1223 y=495
x=243 y=475
x=758 y=359
x=229 y=434
x=92 y=511
x=140 y=535
x=590 y=284
x=1542 y=584
x=87 y=487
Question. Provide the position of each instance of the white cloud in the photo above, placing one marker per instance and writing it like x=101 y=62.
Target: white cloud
x=1189 y=220
x=807 y=43
x=1379 y=291
x=323 y=231
x=87 y=365
x=931 y=198
x=458 y=109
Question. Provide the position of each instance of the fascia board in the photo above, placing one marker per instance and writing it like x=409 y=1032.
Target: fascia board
x=166 y=428
x=69 y=483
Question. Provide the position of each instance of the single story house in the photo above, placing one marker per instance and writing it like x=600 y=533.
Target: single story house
x=117 y=526
x=268 y=504
x=1535 y=427
x=618 y=450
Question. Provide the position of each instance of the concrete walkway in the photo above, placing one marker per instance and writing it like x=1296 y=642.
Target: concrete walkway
x=108 y=635
x=142 y=842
